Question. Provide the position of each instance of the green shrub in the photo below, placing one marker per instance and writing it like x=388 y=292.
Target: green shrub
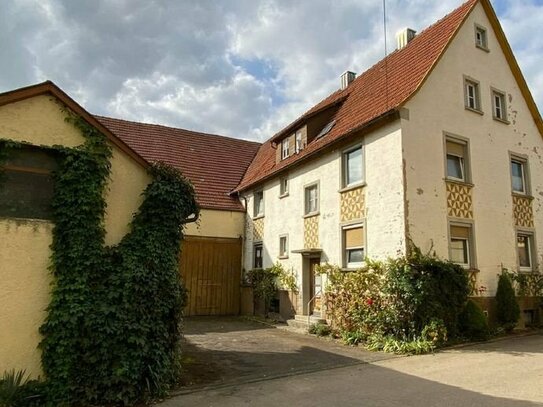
x=473 y=323
x=352 y=337
x=435 y=332
x=507 y=308
x=266 y=282
x=17 y=390
x=319 y=329
x=390 y=344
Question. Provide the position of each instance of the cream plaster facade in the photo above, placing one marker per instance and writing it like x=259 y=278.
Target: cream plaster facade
x=24 y=244
x=490 y=145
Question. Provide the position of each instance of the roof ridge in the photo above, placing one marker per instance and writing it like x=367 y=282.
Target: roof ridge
x=194 y=132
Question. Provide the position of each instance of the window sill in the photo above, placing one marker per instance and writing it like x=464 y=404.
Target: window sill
x=474 y=110
x=283 y=196
x=258 y=217
x=312 y=214
x=504 y=121
x=26 y=220
x=523 y=270
x=482 y=48
x=283 y=257
x=458 y=181
x=352 y=187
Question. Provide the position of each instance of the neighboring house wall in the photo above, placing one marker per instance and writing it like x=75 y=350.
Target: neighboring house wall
x=439 y=107
x=24 y=246
x=379 y=204
x=217 y=223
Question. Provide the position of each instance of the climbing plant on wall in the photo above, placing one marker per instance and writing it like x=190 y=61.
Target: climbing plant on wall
x=112 y=330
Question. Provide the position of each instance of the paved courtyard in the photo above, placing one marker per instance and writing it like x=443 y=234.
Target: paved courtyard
x=235 y=362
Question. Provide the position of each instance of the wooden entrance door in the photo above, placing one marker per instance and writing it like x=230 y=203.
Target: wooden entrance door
x=315 y=287
x=211 y=271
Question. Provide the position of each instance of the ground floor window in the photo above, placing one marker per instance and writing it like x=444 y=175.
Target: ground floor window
x=354 y=245
x=283 y=246
x=461 y=245
x=525 y=251
x=257 y=256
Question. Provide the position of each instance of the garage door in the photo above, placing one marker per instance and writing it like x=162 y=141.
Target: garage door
x=211 y=271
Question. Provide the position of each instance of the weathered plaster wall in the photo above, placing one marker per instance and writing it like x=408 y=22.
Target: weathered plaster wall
x=383 y=196
x=24 y=244
x=438 y=108
x=215 y=223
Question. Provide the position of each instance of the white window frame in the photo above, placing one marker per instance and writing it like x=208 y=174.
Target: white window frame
x=283 y=186
x=258 y=213
x=501 y=96
x=462 y=167
x=255 y=245
x=298 y=141
x=283 y=254
x=468 y=253
x=464 y=158
x=307 y=198
x=285 y=148
x=483 y=42
x=523 y=164
x=530 y=241
x=470 y=243
x=345 y=167
x=345 y=249
x=476 y=97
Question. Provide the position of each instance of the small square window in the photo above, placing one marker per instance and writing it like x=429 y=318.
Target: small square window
x=481 y=40
x=524 y=250
x=257 y=256
x=283 y=186
x=311 y=199
x=456 y=160
x=285 y=146
x=460 y=245
x=258 y=204
x=299 y=143
x=473 y=99
x=499 y=107
x=354 y=245
x=283 y=247
x=518 y=176
x=353 y=167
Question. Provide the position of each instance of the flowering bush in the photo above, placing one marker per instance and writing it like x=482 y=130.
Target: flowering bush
x=416 y=298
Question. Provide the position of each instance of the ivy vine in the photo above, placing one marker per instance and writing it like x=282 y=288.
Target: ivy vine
x=111 y=335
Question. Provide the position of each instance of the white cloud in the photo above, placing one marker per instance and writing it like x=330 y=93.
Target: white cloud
x=243 y=68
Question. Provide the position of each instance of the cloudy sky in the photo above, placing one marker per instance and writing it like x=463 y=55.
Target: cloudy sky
x=243 y=68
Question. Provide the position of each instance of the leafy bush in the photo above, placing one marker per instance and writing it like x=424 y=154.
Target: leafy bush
x=319 y=329
x=266 y=282
x=473 y=323
x=397 y=300
x=390 y=344
x=507 y=308
x=17 y=390
x=352 y=337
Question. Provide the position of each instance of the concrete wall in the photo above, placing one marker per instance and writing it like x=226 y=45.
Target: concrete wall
x=24 y=244
x=439 y=108
x=383 y=196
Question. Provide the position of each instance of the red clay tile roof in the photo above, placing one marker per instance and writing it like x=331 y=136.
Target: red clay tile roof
x=365 y=100
x=214 y=164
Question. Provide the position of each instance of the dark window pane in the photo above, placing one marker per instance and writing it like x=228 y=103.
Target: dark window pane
x=25 y=195
x=455 y=167
x=523 y=245
x=31 y=157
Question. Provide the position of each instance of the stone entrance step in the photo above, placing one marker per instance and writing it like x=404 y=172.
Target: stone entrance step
x=303 y=322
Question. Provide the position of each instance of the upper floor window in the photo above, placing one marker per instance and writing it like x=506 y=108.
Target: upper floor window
x=258 y=208
x=353 y=167
x=283 y=186
x=457 y=160
x=285 y=148
x=472 y=95
x=499 y=107
x=518 y=176
x=299 y=142
x=26 y=183
x=481 y=39
x=311 y=199
x=353 y=245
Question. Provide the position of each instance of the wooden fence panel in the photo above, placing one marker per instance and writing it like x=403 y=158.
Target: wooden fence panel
x=211 y=271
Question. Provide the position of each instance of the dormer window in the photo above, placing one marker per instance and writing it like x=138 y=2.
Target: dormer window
x=285 y=148
x=326 y=129
x=481 y=40
x=299 y=145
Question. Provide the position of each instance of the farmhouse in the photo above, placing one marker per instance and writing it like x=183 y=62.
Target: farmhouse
x=437 y=145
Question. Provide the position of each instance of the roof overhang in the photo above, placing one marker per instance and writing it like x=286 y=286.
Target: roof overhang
x=308 y=252
x=49 y=88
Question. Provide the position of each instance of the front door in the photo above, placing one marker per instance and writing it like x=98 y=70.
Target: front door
x=315 y=287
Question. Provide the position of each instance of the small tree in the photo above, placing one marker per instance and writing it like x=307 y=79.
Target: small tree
x=472 y=322
x=508 y=310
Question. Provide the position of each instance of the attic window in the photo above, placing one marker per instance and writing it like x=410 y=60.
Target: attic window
x=481 y=40
x=326 y=129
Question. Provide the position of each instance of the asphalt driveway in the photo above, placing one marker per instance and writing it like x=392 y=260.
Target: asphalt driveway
x=234 y=362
